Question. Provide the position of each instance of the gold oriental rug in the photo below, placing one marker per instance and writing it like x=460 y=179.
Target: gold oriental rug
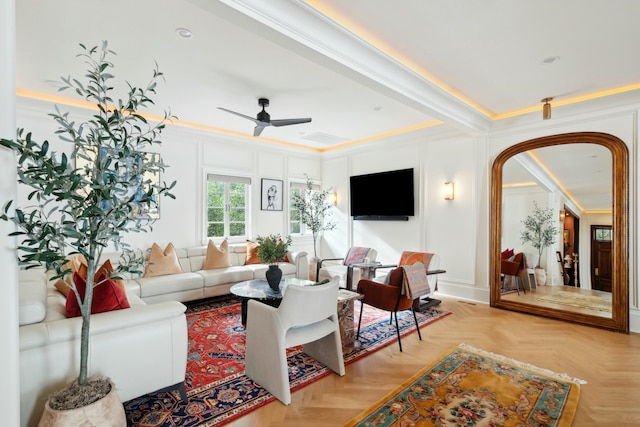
x=472 y=387
x=599 y=302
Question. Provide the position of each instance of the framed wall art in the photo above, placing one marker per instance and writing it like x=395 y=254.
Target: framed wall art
x=149 y=179
x=272 y=196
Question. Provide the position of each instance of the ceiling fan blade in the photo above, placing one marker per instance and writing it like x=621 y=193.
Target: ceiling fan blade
x=286 y=122
x=258 y=129
x=238 y=114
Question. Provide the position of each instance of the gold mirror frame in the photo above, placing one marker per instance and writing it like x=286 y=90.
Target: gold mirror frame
x=619 y=320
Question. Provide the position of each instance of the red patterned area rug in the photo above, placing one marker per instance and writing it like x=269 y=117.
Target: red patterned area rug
x=217 y=389
x=472 y=387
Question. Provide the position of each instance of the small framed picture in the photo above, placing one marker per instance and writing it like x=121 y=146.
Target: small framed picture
x=272 y=196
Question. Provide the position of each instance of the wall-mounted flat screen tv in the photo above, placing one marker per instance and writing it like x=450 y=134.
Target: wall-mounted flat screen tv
x=382 y=195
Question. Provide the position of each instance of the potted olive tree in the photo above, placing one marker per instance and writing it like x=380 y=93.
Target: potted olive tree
x=83 y=202
x=315 y=213
x=540 y=233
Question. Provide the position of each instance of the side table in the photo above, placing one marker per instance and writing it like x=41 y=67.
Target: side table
x=427 y=302
x=346 y=301
x=367 y=271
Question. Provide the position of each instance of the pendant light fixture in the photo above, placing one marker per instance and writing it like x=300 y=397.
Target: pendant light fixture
x=546 y=108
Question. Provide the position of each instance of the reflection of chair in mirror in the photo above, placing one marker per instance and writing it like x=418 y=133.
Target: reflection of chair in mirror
x=348 y=275
x=515 y=269
x=306 y=316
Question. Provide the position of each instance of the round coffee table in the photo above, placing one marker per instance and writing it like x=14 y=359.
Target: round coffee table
x=259 y=289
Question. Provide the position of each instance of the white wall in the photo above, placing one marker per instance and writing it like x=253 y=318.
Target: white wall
x=449 y=228
x=10 y=391
x=458 y=229
x=190 y=155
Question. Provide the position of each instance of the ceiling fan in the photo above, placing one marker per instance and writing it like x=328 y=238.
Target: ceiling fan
x=263 y=119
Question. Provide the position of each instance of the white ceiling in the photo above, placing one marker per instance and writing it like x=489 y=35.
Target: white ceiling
x=373 y=67
x=581 y=172
x=359 y=68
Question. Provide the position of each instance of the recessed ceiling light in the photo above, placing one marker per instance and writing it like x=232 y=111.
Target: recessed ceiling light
x=551 y=60
x=184 y=33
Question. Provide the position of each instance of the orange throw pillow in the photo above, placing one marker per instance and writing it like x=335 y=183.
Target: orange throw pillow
x=160 y=263
x=252 y=253
x=77 y=263
x=107 y=296
x=106 y=269
x=217 y=258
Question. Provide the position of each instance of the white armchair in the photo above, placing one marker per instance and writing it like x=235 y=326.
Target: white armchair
x=349 y=276
x=307 y=316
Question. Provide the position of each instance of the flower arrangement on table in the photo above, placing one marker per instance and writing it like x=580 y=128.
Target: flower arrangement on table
x=273 y=248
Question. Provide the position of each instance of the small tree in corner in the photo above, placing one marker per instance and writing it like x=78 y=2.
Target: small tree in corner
x=315 y=211
x=82 y=209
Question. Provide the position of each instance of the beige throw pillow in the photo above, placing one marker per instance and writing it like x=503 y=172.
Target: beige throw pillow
x=217 y=257
x=160 y=263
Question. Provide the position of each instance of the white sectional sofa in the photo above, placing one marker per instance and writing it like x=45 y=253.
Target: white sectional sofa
x=196 y=283
x=142 y=348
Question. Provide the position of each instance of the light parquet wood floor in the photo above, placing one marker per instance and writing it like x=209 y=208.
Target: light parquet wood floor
x=533 y=296
x=608 y=361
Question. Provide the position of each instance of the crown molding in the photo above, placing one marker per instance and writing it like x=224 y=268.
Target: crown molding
x=312 y=34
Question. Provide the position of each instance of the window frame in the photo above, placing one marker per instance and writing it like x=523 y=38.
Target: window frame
x=227 y=179
x=299 y=185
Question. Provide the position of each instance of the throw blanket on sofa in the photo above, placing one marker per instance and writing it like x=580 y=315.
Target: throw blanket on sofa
x=414 y=283
x=355 y=255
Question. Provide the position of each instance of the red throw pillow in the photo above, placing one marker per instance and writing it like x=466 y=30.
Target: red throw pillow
x=284 y=259
x=507 y=253
x=107 y=296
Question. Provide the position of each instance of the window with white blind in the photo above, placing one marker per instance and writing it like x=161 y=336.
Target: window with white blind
x=295 y=224
x=227 y=205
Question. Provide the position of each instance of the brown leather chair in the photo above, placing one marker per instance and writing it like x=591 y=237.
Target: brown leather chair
x=514 y=268
x=387 y=297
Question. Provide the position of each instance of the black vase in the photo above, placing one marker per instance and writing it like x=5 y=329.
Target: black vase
x=274 y=275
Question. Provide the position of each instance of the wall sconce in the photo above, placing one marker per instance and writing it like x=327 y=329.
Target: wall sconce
x=546 y=109
x=333 y=198
x=562 y=215
x=447 y=191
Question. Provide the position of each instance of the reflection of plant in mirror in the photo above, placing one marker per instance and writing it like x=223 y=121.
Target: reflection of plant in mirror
x=538 y=230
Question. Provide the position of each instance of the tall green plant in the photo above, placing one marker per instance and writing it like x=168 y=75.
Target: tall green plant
x=315 y=211
x=538 y=229
x=84 y=209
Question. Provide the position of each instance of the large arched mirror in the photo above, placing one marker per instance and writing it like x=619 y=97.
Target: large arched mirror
x=580 y=180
